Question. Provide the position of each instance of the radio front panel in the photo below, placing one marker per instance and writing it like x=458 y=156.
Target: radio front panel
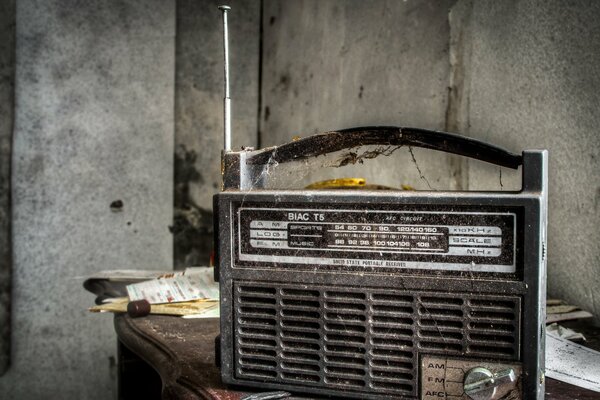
x=327 y=292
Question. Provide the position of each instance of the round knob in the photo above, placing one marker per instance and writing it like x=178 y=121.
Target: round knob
x=481 y=383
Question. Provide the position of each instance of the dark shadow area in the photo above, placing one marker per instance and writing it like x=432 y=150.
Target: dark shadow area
x=7 y=78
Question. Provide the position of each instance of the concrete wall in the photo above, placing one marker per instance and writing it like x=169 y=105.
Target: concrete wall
x=7 y=71
x=93 y=125
x=520 y=74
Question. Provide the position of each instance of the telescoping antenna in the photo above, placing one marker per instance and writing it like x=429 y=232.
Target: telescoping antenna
x=226 y=98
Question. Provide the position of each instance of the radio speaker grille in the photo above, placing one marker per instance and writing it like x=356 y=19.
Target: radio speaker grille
x=364 y=340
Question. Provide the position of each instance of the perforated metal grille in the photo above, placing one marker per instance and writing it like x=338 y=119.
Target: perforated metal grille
x=364 y=340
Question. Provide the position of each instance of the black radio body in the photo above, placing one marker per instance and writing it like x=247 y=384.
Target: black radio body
x=382 y=294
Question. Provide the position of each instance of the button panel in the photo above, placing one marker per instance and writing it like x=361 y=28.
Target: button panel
x=443 y=378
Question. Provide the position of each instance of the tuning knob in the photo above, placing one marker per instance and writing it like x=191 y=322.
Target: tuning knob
x=482 y=384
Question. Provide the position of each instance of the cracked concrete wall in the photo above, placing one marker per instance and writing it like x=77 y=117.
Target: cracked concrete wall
x=7 y=71
x=520 y=74
x=199 y=112
x=93 y=125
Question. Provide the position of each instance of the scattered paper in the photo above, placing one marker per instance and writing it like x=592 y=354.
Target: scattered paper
x=132 y=274
x=214 y=312
x=551 y=318
x=559 y=309
x=112 y=283
x=571 y=363
x=564 y=333
x=193 y=284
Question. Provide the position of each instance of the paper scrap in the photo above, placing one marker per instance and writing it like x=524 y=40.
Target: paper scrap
x=117 y=275
x=564 y=333
x=560 y=309
x=550 y=318
x=214 y=312
x=572 y=363
x=196 y=283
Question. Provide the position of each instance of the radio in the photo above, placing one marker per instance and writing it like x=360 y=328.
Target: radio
x=381 y=294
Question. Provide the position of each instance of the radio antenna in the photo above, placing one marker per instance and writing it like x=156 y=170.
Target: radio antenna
x=226 y=98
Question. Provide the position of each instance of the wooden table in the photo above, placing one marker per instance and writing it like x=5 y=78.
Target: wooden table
x=162 y=357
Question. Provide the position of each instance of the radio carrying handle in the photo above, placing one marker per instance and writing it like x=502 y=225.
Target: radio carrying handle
x=244 y=170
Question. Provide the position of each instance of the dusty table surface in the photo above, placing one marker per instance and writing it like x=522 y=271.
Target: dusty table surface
x=182 y=352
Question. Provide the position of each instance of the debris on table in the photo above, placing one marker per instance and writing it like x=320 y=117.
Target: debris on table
x=112 y=283
x=564 y=333
x=186 y=308
x=567 y=361
x=193 y=284
x=557 y=310
x=572 y=363
x=192 y=293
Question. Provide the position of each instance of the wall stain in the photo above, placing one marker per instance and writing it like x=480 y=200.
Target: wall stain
x=192 y=227
x=116 y=206
x=284 y=83
x=457 y=107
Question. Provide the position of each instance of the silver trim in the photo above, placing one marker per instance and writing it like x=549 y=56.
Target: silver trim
x=380 y=263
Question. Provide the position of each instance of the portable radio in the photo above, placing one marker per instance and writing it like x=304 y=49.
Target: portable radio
x=381 y=294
